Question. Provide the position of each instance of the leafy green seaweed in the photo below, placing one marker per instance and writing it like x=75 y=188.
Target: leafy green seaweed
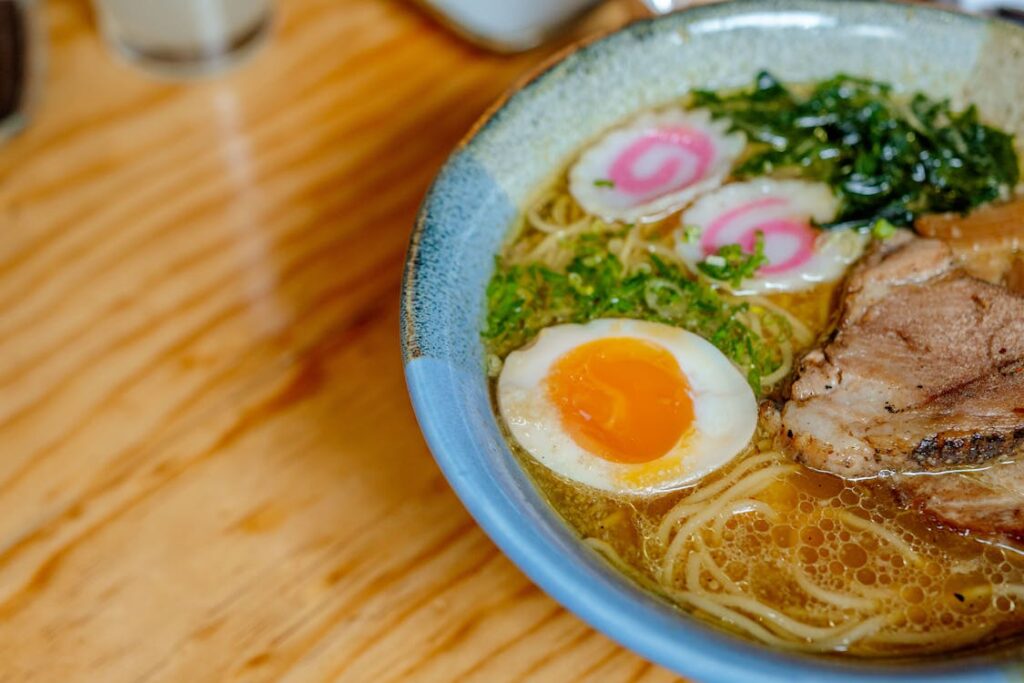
x=884 y=155
x=523 y=299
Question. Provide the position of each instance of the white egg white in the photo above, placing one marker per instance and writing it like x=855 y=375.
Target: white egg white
x=725 y=409
x=732 y=214
x=615 y=177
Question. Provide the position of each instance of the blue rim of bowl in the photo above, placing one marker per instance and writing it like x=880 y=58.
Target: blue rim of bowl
x=600 y=596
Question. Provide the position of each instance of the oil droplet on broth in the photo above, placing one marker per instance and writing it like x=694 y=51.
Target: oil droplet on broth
x=917 y=614
x=853 y=555
x=912 y=594
x=866 y=576
x=812 y=536
x=808 y=554
x=993 y=554
x=784 y=536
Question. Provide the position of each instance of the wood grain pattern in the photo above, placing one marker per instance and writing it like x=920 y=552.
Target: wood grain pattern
x=210 y=467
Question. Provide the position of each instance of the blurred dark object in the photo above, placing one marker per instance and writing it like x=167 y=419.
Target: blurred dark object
x=12 y=57
x=19 y=63
x=1012 y=10
x=1012 y=13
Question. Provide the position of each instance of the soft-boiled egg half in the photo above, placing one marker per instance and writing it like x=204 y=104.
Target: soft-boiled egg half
x=655 y=165
x=799 y=254
x=626 y=406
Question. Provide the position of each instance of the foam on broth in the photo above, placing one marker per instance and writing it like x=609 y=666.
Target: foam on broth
x=934 y=589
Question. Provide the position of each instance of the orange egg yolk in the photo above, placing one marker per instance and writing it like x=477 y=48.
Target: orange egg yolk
x=621 y=398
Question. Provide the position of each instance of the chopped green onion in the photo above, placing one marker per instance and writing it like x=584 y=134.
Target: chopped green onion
x=525 y=298
x=691 y=233
x=883 y=229
x=734 y=265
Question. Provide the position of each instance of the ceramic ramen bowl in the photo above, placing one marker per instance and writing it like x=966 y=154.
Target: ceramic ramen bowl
x=521 y=144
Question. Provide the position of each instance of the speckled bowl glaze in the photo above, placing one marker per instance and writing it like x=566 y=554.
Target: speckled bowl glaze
x=468 y=211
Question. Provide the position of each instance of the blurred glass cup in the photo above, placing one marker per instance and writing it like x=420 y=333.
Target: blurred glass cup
x=184 y=38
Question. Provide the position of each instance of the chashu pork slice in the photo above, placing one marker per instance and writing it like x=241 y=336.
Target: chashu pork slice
x=924 y=374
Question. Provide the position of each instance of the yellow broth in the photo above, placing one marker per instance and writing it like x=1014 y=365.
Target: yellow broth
x=952 y=592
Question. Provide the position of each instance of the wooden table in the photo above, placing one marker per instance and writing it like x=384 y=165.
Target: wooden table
x=210 y=470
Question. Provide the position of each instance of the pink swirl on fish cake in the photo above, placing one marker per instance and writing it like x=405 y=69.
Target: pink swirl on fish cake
x=685 y=149
x=788 y=242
